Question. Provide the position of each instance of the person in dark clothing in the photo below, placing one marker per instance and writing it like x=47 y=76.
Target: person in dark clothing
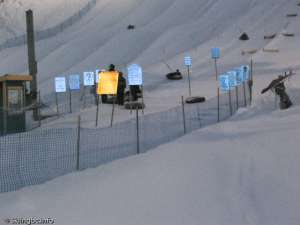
x=134 y=91
x=174 y=75
x=277 y=85
x=105 y=97
x=121 y=89
x=93 y=91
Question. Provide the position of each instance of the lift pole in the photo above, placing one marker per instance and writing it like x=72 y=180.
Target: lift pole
x=32 y=64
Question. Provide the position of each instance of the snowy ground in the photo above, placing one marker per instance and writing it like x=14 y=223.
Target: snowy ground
x=244 y=171
x=47 y=13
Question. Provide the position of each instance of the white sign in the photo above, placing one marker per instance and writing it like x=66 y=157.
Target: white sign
x=74 y=82
x=135 y=75
x=60 y=84
x=97 y=75
x=88 y=78
x=187 y=61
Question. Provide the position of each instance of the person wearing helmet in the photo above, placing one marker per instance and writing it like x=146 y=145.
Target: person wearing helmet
x=278 y=87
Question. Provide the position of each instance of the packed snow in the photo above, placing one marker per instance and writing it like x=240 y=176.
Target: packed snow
x=243 y=171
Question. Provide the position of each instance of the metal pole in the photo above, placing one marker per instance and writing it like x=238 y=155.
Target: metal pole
x=56 y=101
x=84 y=100
x=142 y=99
x=137 y=131
x=198 y=115
x=130 y=99
x=245 y=97
x=5 y=114
x=216 y=69
x=218 y=104
x=237 y=97
x=230 y=103
x=183 y=115
x=32 y=64
x=70 y=100
x=113 y=111
x=97 y=111
x=39 y=108
x=251 y=76
x=78 y=144
x=189 y=78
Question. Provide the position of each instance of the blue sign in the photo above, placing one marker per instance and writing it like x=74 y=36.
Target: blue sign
x=239 y=75
x=88 y=79
x=232 y=79
x=187 y=61
x=246 y=71
x=224 y=82
x=74 y=82
x=135 y=75
x=215 y=53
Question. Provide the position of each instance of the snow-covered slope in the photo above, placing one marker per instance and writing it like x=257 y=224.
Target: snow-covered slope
x=164 y=30
x=244 y=171
x=47 y=13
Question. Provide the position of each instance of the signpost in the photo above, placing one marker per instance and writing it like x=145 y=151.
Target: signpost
x=135 y=78
x=215 y=54
x=60 y=87
x=74 y=84
x=245 y=70
x=108 y=85
x=88 y=80
x=232 y=85
x=226 y=86
x=97 y=75
x=235 y=83
x=188 y=64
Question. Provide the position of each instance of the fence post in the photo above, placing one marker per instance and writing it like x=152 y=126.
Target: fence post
x=183 y=115
x=97 y=111
x=245 y=97
x=237 y=97
x=218 y=104
x=250 y=82
x=78 y=144
x=230 y=102
x=70 y=100
x=137 y=131
x=39 y=109
x=56 y=102
x=113 y=111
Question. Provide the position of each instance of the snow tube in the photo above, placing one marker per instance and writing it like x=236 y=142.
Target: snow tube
x=196 y=99
x=244 y=37
x=174 y=76
x=134 y=105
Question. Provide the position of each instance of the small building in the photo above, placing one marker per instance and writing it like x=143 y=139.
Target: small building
x=12 y=103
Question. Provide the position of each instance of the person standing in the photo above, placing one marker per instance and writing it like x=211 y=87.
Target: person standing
x=105 y=97
x=121 y=89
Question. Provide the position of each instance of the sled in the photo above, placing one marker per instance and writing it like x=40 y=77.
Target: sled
x=197 y=99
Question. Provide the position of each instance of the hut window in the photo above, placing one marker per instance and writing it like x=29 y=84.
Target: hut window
x=15 y=100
